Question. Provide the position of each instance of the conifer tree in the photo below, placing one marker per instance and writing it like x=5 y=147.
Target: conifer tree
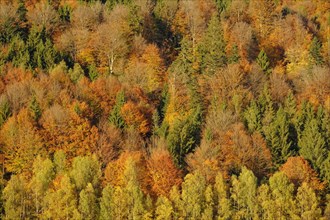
x=312 y=144
x=234 y=56
x=277 y=136
x=185 y=136
x=5 y=111
x=115 y=117
x=315 y=51
x=252 y=116
x=212 y=47
x=35 y=109
x=263 y=62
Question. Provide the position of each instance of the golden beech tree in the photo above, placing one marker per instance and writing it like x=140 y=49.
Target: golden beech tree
x=114 y=172
x=298 y=170
x=69 y=130
x=163 y=174
x=20 y=143
x=154 y=67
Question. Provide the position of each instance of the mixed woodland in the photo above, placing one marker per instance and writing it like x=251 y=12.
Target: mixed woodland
x=165 y=109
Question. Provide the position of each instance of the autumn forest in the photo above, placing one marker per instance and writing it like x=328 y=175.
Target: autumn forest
x=165 y=109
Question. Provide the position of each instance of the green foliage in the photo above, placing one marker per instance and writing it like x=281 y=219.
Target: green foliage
x=43 y=175
x=223 y=205
x=132 y=192
x=282 y=195
x=76 y=73
x=115 y=117
x=185 y=136
x=65 y=12
x=263 y=62
x=184 y=64
x=307 y=203
x=277 y=137
x=41 y=50
x=252 y=116
x=85 y=170
x=193 y=189
x=112 y=3
x=164 y=209
x=35 y=109
x=234 y=56
x=212 y=47
x=5 y=111
x=315 y=52
x=14 y=196
x=37 y=52
x=59 y=161
x=312 y=144
x=21 y=11
x=92 y=73
x=222 y=5
x=243 y=194
x=18 y=53
x=106 y=203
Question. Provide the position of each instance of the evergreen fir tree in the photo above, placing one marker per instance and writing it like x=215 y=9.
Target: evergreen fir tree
x=315 y=51
x=35 y=109
x=115 y=117
x=263 y=62
x=212 y=47
x=234 y=56
x=5 y=111
x=277 y=137
x=312 y=144
x=252 y=116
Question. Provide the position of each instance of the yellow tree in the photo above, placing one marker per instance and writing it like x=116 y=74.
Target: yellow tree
x=20 y=142
x=154 y=67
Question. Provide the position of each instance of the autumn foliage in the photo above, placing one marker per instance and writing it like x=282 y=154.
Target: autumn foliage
x=167 y=109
